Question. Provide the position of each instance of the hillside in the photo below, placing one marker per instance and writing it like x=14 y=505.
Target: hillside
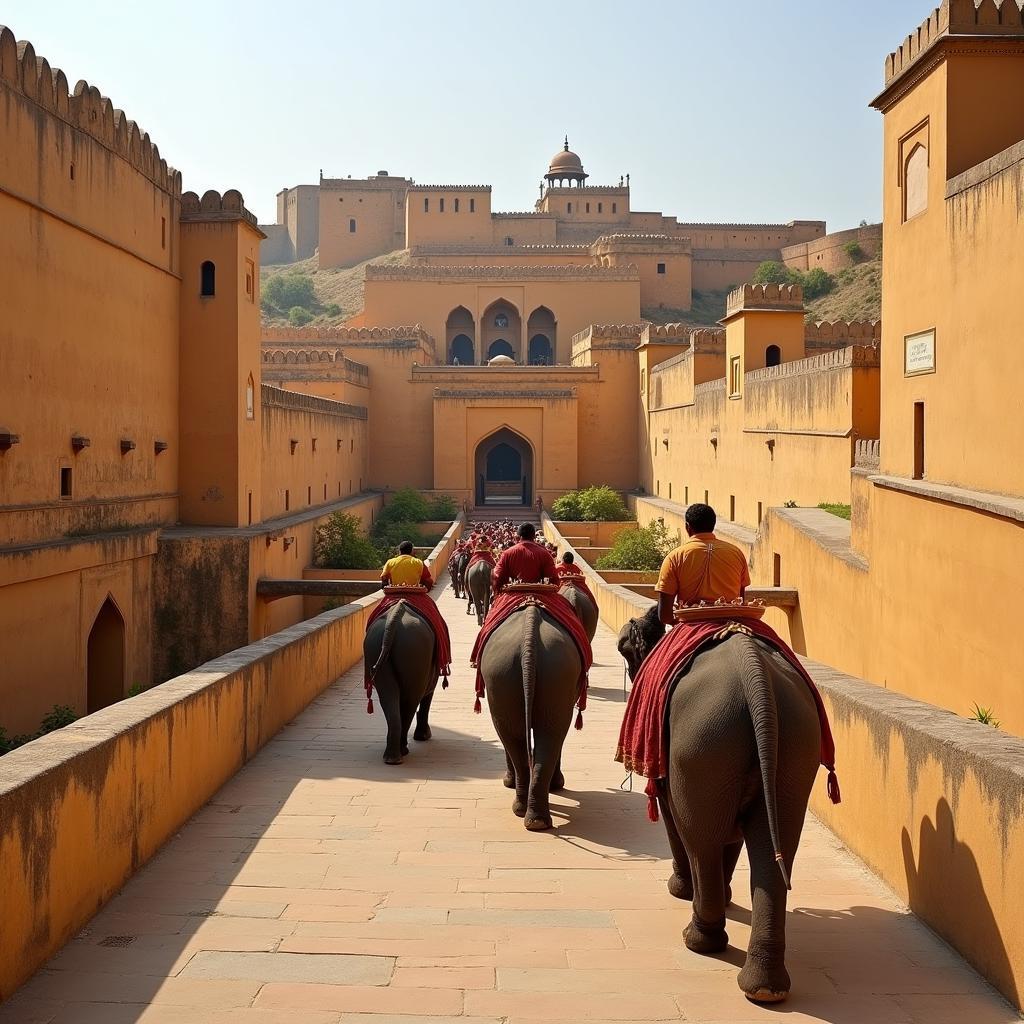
x=338 y=293
x=857 y=295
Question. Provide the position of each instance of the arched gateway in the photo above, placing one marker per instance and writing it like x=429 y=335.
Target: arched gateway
x=504 y=469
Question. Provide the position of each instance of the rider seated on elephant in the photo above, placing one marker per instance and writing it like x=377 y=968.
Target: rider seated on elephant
x=704 y=568
x=525 y=562
x=406 y=570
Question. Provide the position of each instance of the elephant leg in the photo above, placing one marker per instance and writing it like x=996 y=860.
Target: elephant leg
x=422 y=733
x=764 y=978
x=680 y=885
x=732 y=855
x=509 y=781
x=390 y=703
x=557 y=779
x=706 y=931
x=547 y=753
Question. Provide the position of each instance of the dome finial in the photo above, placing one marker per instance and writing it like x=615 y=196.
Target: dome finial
x=567 y=143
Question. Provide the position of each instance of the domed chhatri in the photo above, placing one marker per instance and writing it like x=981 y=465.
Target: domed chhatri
x=566 y=166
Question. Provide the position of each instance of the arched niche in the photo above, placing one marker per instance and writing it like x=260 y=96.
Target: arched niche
x=105 y=658
x=501 y=322
x=461 y=327
x=504 y=467
x=541 y=330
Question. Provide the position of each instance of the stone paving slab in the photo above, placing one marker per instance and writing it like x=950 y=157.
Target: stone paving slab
x=321 y=886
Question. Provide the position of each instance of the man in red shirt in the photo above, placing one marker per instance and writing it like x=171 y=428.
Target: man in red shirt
x=526 y=562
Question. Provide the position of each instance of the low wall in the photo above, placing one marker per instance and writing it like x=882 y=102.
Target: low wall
x=932 y=802
x=82 y=809
x=599 y=535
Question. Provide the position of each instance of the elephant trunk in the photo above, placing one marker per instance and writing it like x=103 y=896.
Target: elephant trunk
x=760 y=698
x=528 y=660
x=390 y=628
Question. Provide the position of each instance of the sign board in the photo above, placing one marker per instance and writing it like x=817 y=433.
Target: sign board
x=919 y=353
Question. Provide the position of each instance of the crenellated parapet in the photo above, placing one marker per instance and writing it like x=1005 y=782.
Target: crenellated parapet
x=851 y=357
x=622 y=242
x=784 y=297
x=708 y=341
x=840 y=333
x=666 y=333
x=215 y=207
x=342 y=335
x=380 y=272
x=84 y=108
x=955 y=18
x=449 y=188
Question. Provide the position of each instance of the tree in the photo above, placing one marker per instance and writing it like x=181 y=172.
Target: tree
x=817 y=282
x=286 y=291
x=642 y=549
x=773 y=272
x=341 y=544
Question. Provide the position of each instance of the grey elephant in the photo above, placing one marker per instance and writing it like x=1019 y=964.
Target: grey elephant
x=584 y=607
x=478 y=589
x=457 y=571
x=531 y=670
x=400 y=652
x=743 y=743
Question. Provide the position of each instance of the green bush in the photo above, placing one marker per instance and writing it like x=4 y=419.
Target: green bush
x=298 y=316
x=57 y=718
x=288 y=290
x=341 y=544
x=642 y=549
x=590 y=505
x=817 y=282
x=333 y=309
x=405 y=506
x=854 y=252
x=837 y=509
x=441 y=508
x=773 y=272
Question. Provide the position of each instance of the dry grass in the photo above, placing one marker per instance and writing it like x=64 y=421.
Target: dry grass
x=708 y=308
x=856 y=296
x=343 y=287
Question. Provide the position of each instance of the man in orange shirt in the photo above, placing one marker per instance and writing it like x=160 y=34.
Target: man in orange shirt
x=704 y=568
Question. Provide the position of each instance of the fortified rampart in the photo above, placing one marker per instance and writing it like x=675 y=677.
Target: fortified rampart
x=836 y=251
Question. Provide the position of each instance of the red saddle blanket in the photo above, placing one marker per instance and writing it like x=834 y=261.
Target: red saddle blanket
x=481 y=556
x=577 y=581
x=560 y=610
x=424 y=606
x=642 y=735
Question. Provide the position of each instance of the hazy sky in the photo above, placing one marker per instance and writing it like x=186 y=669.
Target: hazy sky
x=720 y=110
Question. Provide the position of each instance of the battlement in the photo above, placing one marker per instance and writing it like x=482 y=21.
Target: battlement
x=449 y=188
x=384 y=182
x=709 y=340
x=379 y=272
x=535 y=215
x=587 y=190
x=340 y=335
x=497 y=249
x=622 y=242
x=294 y=401
x=85 y=109
x=862 y=331
x=787 y=297
x=955 y=18
x=215 y=207
x=654 y=333
x=608 y=332
x=705 y=226
x=853 y=356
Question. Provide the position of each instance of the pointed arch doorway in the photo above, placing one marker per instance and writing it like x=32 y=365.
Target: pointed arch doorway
x=504 y=469
x=105 y=665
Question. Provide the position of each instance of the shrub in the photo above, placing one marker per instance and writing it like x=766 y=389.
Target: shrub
x=984 y=715
x=341 y=544
x=789 y=504
x=288 y=290
x=60 y=716
x=567 y=508
x=854 y=252
x=405 y=506
x=333 y=309
x=642 y=549
x=299 y=316
x=442 y=507
x=836 y=508
x=773 y=272
x=817 y=282
x=590 y=505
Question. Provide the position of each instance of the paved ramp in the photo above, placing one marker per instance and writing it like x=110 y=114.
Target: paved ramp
x=321 y=886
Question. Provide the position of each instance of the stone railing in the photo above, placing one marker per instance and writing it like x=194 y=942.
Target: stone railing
x=867 y=454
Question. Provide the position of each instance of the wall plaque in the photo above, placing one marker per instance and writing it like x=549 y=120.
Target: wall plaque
x=919 y=353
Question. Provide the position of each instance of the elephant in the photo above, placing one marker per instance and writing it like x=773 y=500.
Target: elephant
x=638 y=637
x=744 y=742
x=401 y=648
x=478 y=590
x=583 y=606
x=529 y=648
x=458 y=573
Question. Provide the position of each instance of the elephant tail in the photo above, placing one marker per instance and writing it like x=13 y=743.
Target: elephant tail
x=390 y=628
x=760 y=698
x=528 y=660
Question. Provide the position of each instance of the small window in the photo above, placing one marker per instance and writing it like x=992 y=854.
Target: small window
x=287 y=499
x=614 y=208
x=65 y=481
x=600 y=207
x=772 y=355
x=440 y=205
x=509 y=240
x=72 y=169
x=163 y=230
x=915 y=183
x=456 y=204
x=250 y=280
x=732 y=508
x=919 y=440
x=309 y=495
x=661 y=268
x=314 y=444
x=250 y=508
x=426 y=204
x=352 y=446
x=734 y=377
x=207 y=278
x=588 y=207
x=250 y=399
x=686 y=494
x=352 y=225
x=570 y=207
x=776 y=570
x=472 y=206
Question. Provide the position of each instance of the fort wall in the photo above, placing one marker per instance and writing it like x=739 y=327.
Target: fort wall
x=830 y=253
x=360 y=219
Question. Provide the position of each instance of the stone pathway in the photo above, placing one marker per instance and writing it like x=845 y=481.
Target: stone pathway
x=320 y=886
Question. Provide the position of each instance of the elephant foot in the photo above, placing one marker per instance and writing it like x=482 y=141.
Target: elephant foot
x=509 y=781
x=405 y=750
x=392 y=758
x=762 y=984
x=704 y=940
x=681 y=888
x=538 y=822
x=422 y=733
x=557 y=783
x=519 y=808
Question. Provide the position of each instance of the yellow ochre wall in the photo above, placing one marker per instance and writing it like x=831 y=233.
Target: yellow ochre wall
x=378 y=208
